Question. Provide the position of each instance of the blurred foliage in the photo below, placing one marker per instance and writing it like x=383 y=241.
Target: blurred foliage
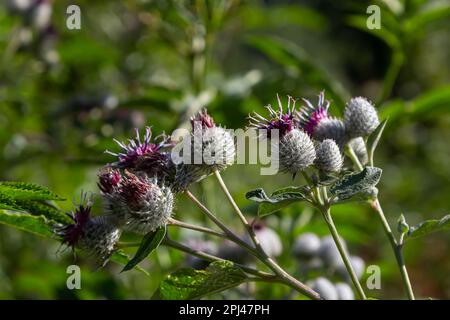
x=65 y=94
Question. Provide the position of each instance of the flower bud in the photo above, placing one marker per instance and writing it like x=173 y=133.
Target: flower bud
x=295 y=152
x=358 y=265
x=306 y=245
x=359 y=147
x=269 y=240
x=329 y=252
x=281 y=120
x=140 y=203
x=344 y=291
x=360 y=117
x=329 y=157
x=146 y=155
x=325 y=288
x=331 y=128
x=95 y=235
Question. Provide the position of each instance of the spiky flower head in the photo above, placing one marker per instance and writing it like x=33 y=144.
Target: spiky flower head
x=359 y=147
x=319 y=124
x=210 y=148
x=360 y=117
x=295 y=152
x=331 y=128
x=147 y=153
x=140 y=203
x=95 y=235
x=282 y=120
x=270 y=241
x=109 y=179
x=329 y=158
x=311 y=116
x=203 y=120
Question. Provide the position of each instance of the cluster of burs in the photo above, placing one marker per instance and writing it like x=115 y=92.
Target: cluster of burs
x=139 y=189
x=318 y=259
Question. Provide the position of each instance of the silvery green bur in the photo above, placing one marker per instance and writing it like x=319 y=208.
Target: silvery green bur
x=319 y=124
x=306 y=245
x=211 y=148
x=294 y=150
x=136 y=200
x=360 y=117
x=329 y=158
x=96 y=236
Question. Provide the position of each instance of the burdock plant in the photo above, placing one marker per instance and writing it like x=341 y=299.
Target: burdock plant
x=331 y=161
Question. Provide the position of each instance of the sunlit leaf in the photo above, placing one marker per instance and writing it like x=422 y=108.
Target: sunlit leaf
x=149 y=243
x=429 y=226
x=278 y=199
x=189 y=283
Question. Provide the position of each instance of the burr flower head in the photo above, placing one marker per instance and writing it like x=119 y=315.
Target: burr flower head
x=360 y=117
x=186 y=174
x=359 y=147
x=211 y=148
x=281 y=120
x=329 y=157
x=269 y=240
x=203 y=120
x=325 y=288
x=331 y=128
x=295 y=152
x=96 y=235
x=142 y=150
x=344 y=291
x=140 y=203
x=109 y=179
x=311 y=116
x=306 y=245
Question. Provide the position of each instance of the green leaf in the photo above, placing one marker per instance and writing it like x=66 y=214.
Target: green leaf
x=33 y=224
x=278 y=200
x=27 y=191
x=428 y=227
x=37 y=208
x=6 y=202
x=421 y=20
x=189 y=283
x=432 y=102
x=374 y=138
x=150 y=242
x=387 y=35
x=122 y=258
x=356 y=183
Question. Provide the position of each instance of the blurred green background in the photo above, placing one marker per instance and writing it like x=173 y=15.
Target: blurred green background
x=65 y=94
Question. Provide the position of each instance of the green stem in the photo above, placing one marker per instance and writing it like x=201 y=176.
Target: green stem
x=354 y=157
x=211 y=258
x=334 y=233
x=286 y=277
x=231 y=235
x=181 y=224
x=375 y=204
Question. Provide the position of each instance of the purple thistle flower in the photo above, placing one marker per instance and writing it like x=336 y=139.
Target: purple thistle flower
x=109 y=179
x=203 y=119
x=72 y=233
x=311 y=116
x=280 y=120
x=137 y=148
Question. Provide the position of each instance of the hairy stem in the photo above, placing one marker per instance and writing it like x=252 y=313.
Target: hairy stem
x=286 y=277
x=375 y=204
x=231 y=235
x=181 y=224
x=334 y=233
